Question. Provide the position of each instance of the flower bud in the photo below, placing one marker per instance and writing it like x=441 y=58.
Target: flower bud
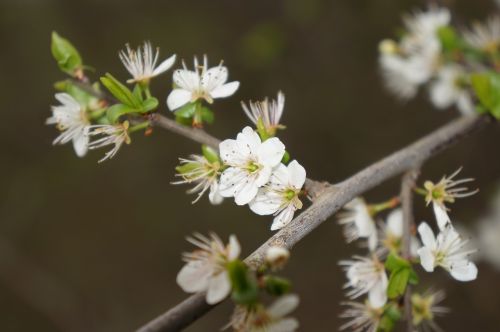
x=277 y=257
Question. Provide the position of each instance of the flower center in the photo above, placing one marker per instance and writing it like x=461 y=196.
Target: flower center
x=253 y=167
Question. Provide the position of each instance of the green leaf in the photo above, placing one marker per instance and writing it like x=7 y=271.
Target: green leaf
x=210 y=154
x=277 y=286
x=286 y=158
x=207 y=115
x=114 y=112
x=67 y=57
x=120 y=91
x=245 y=288
x=149 y=104
x=449 y=38
x=386 y=324
x=395 y=262
x=187 y=111
x=397 y=282
x=487 y=89
x=80 y=95
x=187 y=168
x=413 y=278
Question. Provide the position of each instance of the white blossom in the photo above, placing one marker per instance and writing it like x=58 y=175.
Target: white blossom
x=71 y=119
x=358 y=223
x=267 y=112
x=200 y=83
x=363 y=317
x=449 y=89
x=280 y=196
x=484 y=36
x=205 y=268
x=447 y=251
x=141 y=63
x=108 y=135
x=250 y=164
x=445 y=191
x=271 y=319
x=204 y=175
x=366 y=275
x=413 y=62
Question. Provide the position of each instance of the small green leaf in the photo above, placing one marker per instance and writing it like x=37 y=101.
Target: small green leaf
x=120 y=91
x=276 y=286
x=487 y=89
x=398 y=282
x=207 y=115
x=286 y=158
x=66 y=55
x=245 y=289
x=413 y=278
x=386 y=324
x=114 y=112
x=187 y=111
x=395 y=262
x=187 y=168
x=449 y=38
x=210 y=154
x=149 y=104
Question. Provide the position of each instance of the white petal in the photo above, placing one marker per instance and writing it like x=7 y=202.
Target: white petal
x=246 y=193
x=225 y=90
x=442 y=217
x=283 y=306
x=464 y=272
x=264 y=204
x=263 y=176
x=427 y=259
x=80 y=144
x=178 y=98
x=234 y=248
x=231 y=180
x=218 y=288
x=395 y=223
x=271 y=152
x=283 y=219
x=297 y=174
x=186 y=79
x=193 y=277
x=231 y=153
x=164 y=66
x=214 y=78
x=373 y=240
x=427 y=235
x=214 y=196
x=378 y=294
x=249 y=140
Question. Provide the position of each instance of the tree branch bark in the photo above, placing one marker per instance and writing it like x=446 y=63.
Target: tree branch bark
x=328 y=199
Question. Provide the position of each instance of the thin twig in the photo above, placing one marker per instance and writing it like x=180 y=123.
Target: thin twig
x=407 y=186
x=327 y=202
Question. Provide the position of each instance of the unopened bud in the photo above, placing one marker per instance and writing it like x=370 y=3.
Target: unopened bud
x=388 y=46
x=277 y=257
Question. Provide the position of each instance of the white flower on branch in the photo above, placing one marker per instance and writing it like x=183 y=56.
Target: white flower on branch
x=392 y=234
x=108 y=135
x=205 y=268
x=366 y=275
x=449 y=89
x=250 y=162
x=280 y=196
x=363 y=317
x=485 y=37
x=266 y=113
x=447 y=251
x=271 y=319
x=204 y=174
x=71 y=119
x=425 y=308
x=141 y=63
x=200 y=83
x=446 y=191
x=412 y=62
x=358 y=222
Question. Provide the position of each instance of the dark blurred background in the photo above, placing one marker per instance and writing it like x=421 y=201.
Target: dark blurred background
x=88 y=247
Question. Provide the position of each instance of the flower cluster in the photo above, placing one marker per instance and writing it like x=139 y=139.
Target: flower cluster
x=214 y=268
x=252 y=168
x=385 y=272
x=451 y=63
